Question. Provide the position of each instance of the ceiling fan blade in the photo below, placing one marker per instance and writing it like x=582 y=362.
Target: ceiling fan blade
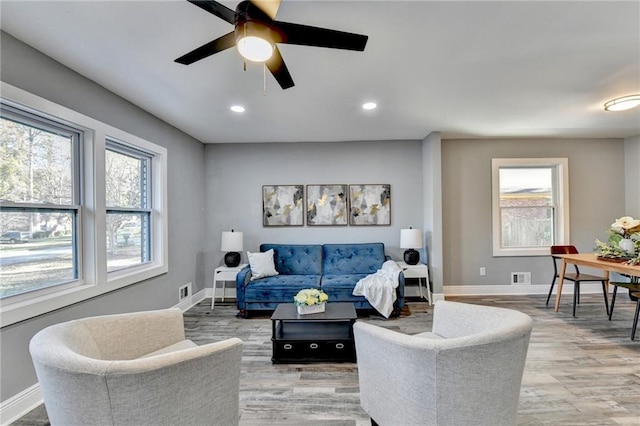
x=220 y=10
x=278 y=68
x=320 y=37
x=270 y=7
x=218 y=45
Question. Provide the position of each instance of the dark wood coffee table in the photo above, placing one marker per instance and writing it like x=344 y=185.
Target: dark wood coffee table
x=323 y=337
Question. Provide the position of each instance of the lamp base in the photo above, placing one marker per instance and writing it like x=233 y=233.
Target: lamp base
x=232 y=259
x=411 y=257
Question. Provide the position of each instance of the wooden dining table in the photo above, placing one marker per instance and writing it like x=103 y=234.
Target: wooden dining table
x=593 y=261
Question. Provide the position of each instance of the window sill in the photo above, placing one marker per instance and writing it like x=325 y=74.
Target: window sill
x=13 y=313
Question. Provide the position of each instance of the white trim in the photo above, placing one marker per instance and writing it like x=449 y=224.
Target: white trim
x=534 y=289
x=92 y=245
x=190 y=301
x=19 y=405
x=561 y=191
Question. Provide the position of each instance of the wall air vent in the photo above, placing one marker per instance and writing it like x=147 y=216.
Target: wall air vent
x=521 y=278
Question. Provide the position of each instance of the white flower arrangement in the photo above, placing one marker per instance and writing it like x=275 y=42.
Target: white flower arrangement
x=624 y=229
x=310 y=297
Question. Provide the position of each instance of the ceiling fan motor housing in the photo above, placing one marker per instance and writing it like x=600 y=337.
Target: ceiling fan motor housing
x=252 y=21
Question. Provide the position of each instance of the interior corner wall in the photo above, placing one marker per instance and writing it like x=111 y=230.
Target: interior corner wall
x=235 y=175
x=596 y=198
x=432 y=193
x=30 y=70
x=632 y=175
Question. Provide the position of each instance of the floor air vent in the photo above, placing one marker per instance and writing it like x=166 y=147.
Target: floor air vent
x=521 y=278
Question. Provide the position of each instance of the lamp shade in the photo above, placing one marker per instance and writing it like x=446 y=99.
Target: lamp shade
x=410 y=238
x=231 y=241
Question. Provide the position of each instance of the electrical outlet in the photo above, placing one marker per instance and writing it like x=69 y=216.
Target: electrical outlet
x=483 y=271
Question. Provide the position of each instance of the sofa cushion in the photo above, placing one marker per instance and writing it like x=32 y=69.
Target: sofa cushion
x=279 y=289
x=296 y=259
x=261 y=264
x=352 y=258
x=340 y=287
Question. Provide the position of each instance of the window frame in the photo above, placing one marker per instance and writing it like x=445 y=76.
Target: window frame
x=94 y=279
x=560 y=178
x=146 y=207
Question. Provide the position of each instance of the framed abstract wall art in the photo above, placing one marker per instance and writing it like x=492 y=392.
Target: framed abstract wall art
x=327 y=205
x=370 y=205
x=282 y=205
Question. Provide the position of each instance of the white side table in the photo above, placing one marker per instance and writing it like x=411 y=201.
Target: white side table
x=419 y=271
x=224 y=274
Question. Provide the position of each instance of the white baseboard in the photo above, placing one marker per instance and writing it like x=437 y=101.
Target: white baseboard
x=519 y=289
x=190 y=301
x=19 y=405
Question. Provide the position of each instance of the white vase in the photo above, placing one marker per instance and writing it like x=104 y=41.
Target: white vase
x=627 y=245
x=313 y=309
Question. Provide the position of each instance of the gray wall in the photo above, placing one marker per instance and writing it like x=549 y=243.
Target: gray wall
x=26 y=68
x=236 y=173
x=632 y=175
x=596 y=198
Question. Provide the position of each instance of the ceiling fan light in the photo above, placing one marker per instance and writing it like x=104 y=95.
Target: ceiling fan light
x=623 y=103
x=255 y=49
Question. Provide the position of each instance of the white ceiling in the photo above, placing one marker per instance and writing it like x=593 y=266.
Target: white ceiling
x=467 y=69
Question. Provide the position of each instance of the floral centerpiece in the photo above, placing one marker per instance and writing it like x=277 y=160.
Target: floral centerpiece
x=310 y=301
x=623 y=243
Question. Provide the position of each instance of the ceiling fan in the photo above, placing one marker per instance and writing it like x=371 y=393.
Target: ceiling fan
x=256 y=33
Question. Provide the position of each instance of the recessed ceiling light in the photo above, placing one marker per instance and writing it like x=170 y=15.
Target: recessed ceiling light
x=237 y=108
x=369 y=105
x=623 y=103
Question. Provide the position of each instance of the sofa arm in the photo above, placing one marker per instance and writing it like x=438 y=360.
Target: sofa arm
x=242 y=279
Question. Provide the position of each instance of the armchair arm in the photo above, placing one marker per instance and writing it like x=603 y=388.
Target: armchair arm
x=395 y=370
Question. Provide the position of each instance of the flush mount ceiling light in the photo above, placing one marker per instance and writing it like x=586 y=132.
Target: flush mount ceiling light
x=369 y=105
x=623 y=103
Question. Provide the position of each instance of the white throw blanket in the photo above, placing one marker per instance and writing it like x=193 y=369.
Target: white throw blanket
x=380 y=288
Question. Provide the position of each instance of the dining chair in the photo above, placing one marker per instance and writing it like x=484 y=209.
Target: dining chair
x=576 y=277
x=634 y=294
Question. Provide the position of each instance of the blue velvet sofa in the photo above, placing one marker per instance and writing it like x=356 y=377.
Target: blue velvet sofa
x=336 y=268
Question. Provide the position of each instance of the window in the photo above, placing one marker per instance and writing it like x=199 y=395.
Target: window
x=128 y=206
x=40 y=207
x=530 y=199
x=82 y=207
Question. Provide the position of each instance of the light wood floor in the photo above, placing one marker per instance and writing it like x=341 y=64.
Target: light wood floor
x=579 y=371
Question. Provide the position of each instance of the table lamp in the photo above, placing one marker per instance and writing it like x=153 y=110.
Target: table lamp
x=411 y=239
x=232 y=244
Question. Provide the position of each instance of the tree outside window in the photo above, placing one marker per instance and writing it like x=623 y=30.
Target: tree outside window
x=38 y=202
x=128 y=206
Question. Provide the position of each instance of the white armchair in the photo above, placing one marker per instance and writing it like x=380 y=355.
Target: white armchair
x=466 y=371
x=135 y=369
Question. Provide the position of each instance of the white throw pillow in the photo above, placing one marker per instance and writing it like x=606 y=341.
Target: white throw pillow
x=261 y=264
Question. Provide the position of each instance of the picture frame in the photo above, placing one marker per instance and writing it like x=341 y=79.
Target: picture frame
x=370 y=205
x=327 y=205
x=282 y=205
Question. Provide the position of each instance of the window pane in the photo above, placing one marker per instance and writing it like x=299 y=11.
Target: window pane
x=125 y=178
x=127 y=240
x=526 y=187
x=36 y=165
x=32 y=260
x=527 y=227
